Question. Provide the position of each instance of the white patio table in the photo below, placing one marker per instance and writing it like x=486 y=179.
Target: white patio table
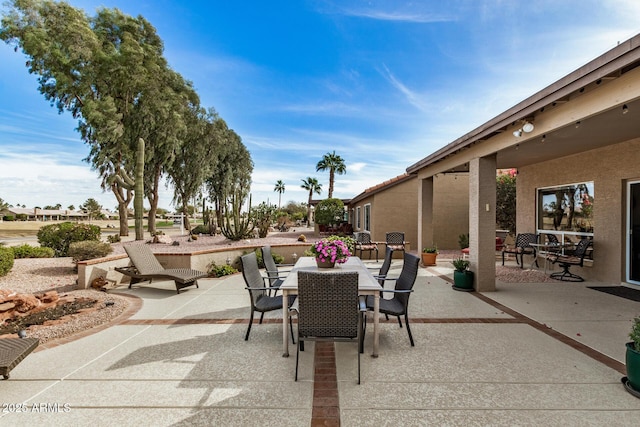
x=367 y=285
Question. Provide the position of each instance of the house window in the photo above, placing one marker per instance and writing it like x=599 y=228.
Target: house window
x=566 y=208
x=358 y=224
x=367 y=217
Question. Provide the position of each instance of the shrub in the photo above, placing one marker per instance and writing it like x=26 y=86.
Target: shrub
x=221 y=270
x=114 y=238
x=302 y=238
x=6 y=260
x=8 y=218
x=201 y=229
x=59 y=236
x=329 y=211
x=277 y=258
x=28 y=251
x=89 y=249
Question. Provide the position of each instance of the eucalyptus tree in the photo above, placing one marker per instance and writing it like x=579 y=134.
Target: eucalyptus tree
x=230 y=180
x=335 y=164
x=194 y=158
x=100 y=69
x=312 y=186
x=279 y=188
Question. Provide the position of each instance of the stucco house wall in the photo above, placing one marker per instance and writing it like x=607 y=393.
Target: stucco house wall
x=609 y=213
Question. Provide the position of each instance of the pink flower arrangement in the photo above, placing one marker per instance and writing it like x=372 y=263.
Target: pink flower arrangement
x=331 y=251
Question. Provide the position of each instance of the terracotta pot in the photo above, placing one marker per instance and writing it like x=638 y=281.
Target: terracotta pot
x=325 y=264
x=429 y=258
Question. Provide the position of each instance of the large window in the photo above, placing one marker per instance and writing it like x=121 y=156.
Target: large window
x=367 y=217
x=358 y=224
x=566 y=208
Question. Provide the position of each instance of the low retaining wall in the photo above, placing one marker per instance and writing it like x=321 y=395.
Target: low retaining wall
x=202 y=260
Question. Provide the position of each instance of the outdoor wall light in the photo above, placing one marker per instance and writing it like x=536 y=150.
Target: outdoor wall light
x=527 y=127
x=625 y=109
x=517 y=133
x=577 y=124
x=544 y=138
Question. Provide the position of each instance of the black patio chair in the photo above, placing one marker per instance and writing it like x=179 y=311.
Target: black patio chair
x=329 y=309
x=398 y=305
x=521 y=248
x=364 y=243
x=566 y=261
x=261 y=301
x=395 y=240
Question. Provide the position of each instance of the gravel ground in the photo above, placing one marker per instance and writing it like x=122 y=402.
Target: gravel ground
x=47 y=274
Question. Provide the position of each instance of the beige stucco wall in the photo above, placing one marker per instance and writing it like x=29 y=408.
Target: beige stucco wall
x=609 y=168
x=450 y=209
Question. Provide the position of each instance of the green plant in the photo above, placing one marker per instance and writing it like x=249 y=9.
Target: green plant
x=28 y=251
x=6 y=260
x=460 y=264
x=329 y=211
x=201 y=229
x=277 y=258
x=89 y=249
x=221 y=270
x=262 y=216
x=59 y=236
x=463 y=240
x=430 y=249
x=114 y=238
x=8 y=218
x=635 y=333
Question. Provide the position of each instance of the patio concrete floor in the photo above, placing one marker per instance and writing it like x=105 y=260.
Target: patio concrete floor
x=534 y=354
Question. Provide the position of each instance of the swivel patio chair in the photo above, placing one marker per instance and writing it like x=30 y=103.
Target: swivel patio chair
x=395 y=240
x=521 y=248
x=147 y=267
x=398 y=305
x=261 y=301
x=364 y=243
x=329 y=309
x=566 y=261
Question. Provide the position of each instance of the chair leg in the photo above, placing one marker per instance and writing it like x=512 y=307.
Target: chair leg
x=293 y=340
x=246 y=337
x=300 y=342
x=261 y=317
x=399 y=321
x=359 y=366
x=502 y=258
x=406 y=320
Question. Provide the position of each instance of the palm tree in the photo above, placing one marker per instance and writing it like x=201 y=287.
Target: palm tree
x=313 y=186
x=335 y=164
x=279 y=189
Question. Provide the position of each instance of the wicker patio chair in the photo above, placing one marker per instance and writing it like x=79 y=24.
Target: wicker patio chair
x=13 y=351
x=147 y=267
x=521 y=248
x=395 y=240
x=566 y=261
x=364 y=243
x=329 y=309
x=398 y=305
x=261 y=301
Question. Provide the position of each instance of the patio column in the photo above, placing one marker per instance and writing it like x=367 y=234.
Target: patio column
x=425 y=213
x=482 y=222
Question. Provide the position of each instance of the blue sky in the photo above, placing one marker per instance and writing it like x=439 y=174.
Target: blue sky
x=383 y=83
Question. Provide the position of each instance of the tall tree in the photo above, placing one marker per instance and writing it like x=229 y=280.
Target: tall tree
x=312 y=186
x=194 y=158
x=279 y=188
x=92 y=208
x=335 y=164
x=100 y=69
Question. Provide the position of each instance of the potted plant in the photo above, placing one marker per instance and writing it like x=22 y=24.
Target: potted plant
x=429 y=255
x=330 y=251
x=632 y=380
x=462 y=276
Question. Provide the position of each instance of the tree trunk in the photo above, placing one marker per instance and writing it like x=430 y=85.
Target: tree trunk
x=153 y=203
x=123 y=203
x=331 y=178
x=138 y=194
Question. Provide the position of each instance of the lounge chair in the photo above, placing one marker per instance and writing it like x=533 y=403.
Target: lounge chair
x=147 y=267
